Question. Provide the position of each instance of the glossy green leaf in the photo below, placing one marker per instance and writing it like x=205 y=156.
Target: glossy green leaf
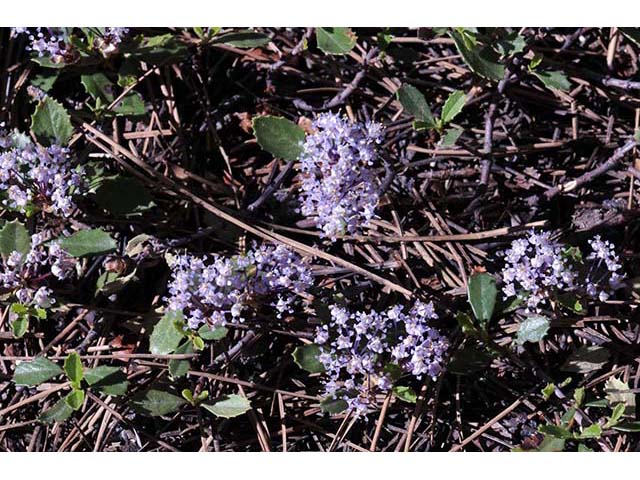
x=35 y=372
x=533 y=329
x=228 y=406
x=406 y=394
x=243 y=39
x=217 y=333
x=179 y=368
x=280 y=137
x=157 y=403
x=51 y=123
x=75 y=399
x=166 y=334
x=122 y=196
x=552 y=79
x=586 y=359
x=73 y=368
x=482 y=293
x=413 y=101
x=14 y=237
x=482 y=60
x=335 y=40
x=333 y=405
x=306 y=357
x=108 y=380
x=453 y=106
x=87 y=243
x=58 y=413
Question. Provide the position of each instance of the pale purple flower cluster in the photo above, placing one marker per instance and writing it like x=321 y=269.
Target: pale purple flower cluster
x=44 y=41
x=358 y=349
x=217 y=290
x=604 y=269
x=340 y=189
x=23 y=275
x=535 y=267
x=44 y=177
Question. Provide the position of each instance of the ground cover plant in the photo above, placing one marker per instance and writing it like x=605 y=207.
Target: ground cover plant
x=319 y=239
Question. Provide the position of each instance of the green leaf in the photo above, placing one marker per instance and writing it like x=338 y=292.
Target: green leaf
x=122 y=196
x=413 y=101
x=406 y=394
x=157 y=403
x=58 y=413
x=98 y=86
x=75 y=399
x=450 y=137
x=571 y=302
x=482 y=294
x=14 y=237
x=20 y=325
x=45 y=81
x=333 y=405
x=555 y=431
x=586 y=359
x=160 y=50
x=217 y=333
x=510 y=44
x=187 y=395
x=108 y=380
x=583 y=448
x=335 y=40
x=243 y=39
x=228 y=406
x=51 y=123
x=87 y=243
x=73 y=368
x=553 y=79
x=166 y=335
x=453 y=106
x=618 y=392
x=592 y=431
x=548 y=391
x=35 y=372
x=533 y=329
x=552 y=444
x=481 y=59
x=279 y=136
x=627 y=427
x=616 y=415
x=132 y=105
x=179 y=368
x=466 y=323
x=306 y=357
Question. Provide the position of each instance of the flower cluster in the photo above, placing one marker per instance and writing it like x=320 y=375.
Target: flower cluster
x=51 y=42
x=339 y=187
x=36 y=176
x=604 y=269
x=109 y=41
x=364 y=352
x=25 y=275
x=217 y=290
x=535 y=266
x=45 y=41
